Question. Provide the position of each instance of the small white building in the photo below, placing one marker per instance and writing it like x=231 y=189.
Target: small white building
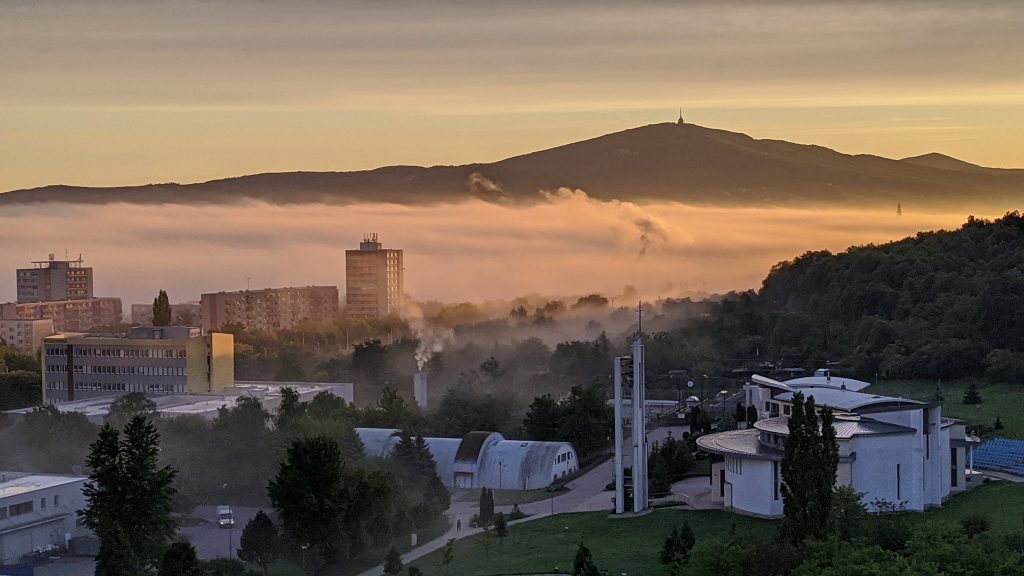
x=38 y=510
x=892 y=449
x=485 y=459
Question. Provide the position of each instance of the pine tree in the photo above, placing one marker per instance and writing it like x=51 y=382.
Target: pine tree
x=448 y=555
x=128 y=499
x=677 y=547
x=809 y=467
x=260 y=542
x=486 y=507
x=149 y=492
x=972 y=396
x=998 y=425
x=161 y=310
x=583 y=564
x=500 y=527
x=393 y=563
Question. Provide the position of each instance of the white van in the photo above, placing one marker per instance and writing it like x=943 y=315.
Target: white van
x=225 y=519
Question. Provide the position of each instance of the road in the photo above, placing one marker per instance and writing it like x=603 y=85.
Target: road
x=212 y=541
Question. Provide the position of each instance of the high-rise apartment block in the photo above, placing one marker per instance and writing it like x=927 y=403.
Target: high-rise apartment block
x=51 y=280
x=269 y=309
x=374 y=280
x=154 y=360
x=68 y=315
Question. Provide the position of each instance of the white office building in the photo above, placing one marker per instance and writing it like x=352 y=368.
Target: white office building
x=895 y=450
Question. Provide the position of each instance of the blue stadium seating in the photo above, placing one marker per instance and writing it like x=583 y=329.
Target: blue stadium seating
x=1001 y=454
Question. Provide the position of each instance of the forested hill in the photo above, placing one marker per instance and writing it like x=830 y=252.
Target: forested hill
x=945 y=304
x=659 y=162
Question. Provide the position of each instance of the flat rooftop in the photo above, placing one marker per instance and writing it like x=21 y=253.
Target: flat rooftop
x=178 y=404
x=18 y=483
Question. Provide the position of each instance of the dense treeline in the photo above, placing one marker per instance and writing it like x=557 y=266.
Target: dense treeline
x=947 y=304
x=231 y=457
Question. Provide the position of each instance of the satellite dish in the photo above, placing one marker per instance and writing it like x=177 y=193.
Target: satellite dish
x=689 y=384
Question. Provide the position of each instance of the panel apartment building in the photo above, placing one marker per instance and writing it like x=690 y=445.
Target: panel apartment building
x=162 y=360
x=269 y=309
x=374 y=280
x=25 y=335
x=50 y=280
x=61 y=290
x=68 y=315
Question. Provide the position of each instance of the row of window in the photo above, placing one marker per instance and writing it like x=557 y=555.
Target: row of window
x=119 y=352
x=563 y=457
x=119 y=370
x=26 y=507
x=734 y=465
x=119 y=387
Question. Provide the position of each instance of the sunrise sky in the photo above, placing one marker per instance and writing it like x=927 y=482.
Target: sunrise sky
x=109 y=92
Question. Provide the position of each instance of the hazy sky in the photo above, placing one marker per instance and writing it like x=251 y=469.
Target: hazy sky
x=113 y=92
x=469 y=251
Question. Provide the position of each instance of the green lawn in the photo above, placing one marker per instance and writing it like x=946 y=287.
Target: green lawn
x=628 y=546
x=1003 y=400
x=1000 y=502
x=631 y=546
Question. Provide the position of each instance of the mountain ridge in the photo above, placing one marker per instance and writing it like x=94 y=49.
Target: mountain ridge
x=657 y=162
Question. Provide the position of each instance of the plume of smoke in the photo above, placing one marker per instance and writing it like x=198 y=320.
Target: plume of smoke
x=486 y=189
x=653 y=233
x=431 y=338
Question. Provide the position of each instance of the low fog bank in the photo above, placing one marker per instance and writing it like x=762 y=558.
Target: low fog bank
x=472 y=251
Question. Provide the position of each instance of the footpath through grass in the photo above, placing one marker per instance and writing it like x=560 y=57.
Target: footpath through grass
x=629 y=546
x=1003 y=400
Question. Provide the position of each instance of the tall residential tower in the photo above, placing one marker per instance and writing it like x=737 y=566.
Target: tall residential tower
x=53 y=280
x=374 y=280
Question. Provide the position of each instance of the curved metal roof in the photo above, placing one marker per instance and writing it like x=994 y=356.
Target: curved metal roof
x=743 y=443
x=378 y=442
x=845 y=425
x=845 y=399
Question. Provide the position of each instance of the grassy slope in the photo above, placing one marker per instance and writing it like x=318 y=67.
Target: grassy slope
x=628 y=546
x=631 y=546
x=1000 y=502
x=1003 y=400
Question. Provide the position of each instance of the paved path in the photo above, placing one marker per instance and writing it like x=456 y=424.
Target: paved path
x=585 y=494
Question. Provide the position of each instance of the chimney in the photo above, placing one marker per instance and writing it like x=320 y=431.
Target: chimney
x=419 y=389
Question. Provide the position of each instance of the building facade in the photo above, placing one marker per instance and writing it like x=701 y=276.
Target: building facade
x=893 y=450
x=154 y=360
x=183 y=314
x=25 y=335
x=38 y=510
x=485 y=459
x=374 y=280
x=51 y=280
x=68 y=315
x=269 y=309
